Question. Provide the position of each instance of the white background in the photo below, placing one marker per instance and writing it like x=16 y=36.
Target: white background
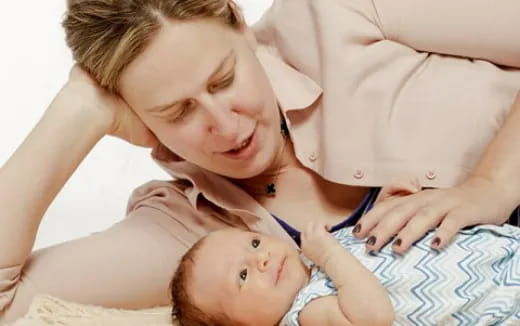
x=34 y=64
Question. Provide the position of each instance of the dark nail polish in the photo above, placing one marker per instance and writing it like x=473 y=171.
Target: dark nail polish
x=398 y=242
x=436 y=242
x=371 y=241
x=357 y=228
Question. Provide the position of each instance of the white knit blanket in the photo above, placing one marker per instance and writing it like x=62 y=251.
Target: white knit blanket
x=46 y=310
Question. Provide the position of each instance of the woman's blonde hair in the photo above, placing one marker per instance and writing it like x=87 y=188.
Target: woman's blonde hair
x=105 y=36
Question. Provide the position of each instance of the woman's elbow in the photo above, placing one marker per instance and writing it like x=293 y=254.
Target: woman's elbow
x=10 y=279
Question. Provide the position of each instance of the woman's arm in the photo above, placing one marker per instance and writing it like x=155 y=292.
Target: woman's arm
x=128 y=265
x=39 y=168
x=78 y=117
x=488 y=196
x=481 y=29
x=361 y=299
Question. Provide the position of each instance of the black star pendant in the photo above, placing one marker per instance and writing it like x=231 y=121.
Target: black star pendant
x=270 y=190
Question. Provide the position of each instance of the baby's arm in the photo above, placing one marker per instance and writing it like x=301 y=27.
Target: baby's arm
x=361 y=299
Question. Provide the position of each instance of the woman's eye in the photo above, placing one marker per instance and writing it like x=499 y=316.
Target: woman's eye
x=243 y=276
x=177 y=116
x=255 y=243
x=185 y=108
x=222 y=84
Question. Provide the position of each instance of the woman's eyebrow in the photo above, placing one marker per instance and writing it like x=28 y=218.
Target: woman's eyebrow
x=162 y=107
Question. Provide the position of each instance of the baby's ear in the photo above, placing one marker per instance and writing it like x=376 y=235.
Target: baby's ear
x=400 y=187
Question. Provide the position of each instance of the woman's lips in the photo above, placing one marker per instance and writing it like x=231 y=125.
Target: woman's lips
x=245 y=152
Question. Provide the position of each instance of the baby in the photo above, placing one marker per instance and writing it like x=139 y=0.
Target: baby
x=234 y=277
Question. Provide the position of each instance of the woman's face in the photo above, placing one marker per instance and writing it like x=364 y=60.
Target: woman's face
x=200 y=88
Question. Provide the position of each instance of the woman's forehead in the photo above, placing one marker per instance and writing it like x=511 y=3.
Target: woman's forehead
x=182 y=55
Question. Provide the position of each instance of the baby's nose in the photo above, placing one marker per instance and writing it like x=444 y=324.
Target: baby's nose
x=262 y=260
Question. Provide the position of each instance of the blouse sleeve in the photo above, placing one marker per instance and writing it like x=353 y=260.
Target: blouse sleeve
x=129 y=265
x=480 y=29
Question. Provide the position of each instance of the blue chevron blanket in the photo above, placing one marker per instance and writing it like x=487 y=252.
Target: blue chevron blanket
x=473 y=281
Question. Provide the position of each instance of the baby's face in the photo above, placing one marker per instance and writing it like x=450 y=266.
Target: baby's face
x=251 y=278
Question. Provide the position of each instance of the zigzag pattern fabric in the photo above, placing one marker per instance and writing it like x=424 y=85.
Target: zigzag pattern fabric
x=473 y=281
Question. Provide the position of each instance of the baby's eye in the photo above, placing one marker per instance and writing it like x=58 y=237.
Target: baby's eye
x=255 y=243
x=243 y=276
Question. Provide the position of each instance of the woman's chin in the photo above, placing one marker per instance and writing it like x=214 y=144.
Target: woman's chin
x=245 y=172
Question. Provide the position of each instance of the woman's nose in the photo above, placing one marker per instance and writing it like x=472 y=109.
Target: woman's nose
x=223 y=121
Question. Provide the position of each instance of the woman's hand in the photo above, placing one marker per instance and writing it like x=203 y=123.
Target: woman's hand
x=488 y=196
x=477 y=201
x=317 y=243
x=110 y=110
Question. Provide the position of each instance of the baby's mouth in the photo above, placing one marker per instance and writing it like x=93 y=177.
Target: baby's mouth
x=280 y=270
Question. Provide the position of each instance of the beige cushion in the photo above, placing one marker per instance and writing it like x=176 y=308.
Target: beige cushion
x=46 y=310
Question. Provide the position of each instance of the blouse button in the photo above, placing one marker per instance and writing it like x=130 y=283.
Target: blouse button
x=430 y=175
x=313 y=157
x=359 y=174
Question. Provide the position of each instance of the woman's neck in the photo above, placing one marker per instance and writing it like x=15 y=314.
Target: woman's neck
x=265 y=185
x=301 y=193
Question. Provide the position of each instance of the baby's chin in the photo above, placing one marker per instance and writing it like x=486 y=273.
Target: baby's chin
x=287 y=306
x=301 y=276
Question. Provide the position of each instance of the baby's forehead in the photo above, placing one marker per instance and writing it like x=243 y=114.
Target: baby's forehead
x=225 y=239
x=221 y=245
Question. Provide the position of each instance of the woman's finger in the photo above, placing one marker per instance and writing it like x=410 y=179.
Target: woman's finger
x=401 y=187
x=424 y=220
x=451 y=224
x=394 y=220
x=368 y=221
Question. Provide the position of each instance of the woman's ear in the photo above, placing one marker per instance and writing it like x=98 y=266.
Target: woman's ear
x=244 y=29
x=237 y=13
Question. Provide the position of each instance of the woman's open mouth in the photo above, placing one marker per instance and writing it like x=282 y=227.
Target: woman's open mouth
x=244 y=150
x=244 y=144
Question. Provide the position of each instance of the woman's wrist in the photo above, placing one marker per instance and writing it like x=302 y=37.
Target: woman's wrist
x=500 y=164
x=74 y=105
x=505 y=194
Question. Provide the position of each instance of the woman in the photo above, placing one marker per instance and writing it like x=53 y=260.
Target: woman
x=199 y=85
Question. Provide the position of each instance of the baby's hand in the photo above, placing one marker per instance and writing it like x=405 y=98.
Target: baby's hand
x=317 y=243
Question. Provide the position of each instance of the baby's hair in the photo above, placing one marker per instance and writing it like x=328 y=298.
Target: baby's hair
x=184 y=309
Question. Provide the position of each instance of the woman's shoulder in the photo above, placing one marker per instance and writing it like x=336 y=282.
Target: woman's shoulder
x=158 y=191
